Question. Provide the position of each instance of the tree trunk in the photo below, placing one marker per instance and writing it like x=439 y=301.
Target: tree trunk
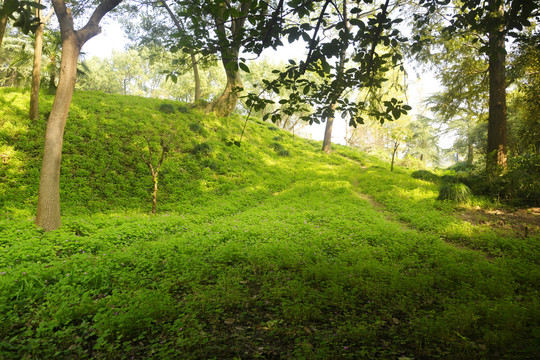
x=154 y=194
x=52 y=82
x=36 y=70
x=470 y=153
x=3 y=25
x=327 y=142
x=196 y=76
x=224 y=105
x=394 y=151
x=48 y=209
x=195 y=66
x=496 y=142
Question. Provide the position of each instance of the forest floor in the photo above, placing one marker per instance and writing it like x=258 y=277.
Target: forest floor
x=521 y=222
x=268 y=250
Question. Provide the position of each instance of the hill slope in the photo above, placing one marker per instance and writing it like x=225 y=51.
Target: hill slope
x=268 y=250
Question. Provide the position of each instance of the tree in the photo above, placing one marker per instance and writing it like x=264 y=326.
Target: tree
x=16 y=60
x=192 y=56
x=375 y=50
x=48 y=209
x=422 y=141
x=524 y=104
x=36 y=69
x=20 y=11
x=154 y=149
x=491 y=22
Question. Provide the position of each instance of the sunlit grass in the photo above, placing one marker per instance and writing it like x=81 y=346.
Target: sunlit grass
x=251 y=254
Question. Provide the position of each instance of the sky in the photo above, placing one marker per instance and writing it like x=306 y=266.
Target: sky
x=419 y=87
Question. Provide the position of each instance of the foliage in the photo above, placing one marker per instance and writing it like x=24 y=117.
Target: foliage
x=16 y=58
x=141 y=71
x=518 y=186
x=23 y=12
x=454 y=191
x=425 y=175
x=308 y=256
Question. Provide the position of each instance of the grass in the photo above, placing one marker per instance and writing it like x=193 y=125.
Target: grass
x=252 y=254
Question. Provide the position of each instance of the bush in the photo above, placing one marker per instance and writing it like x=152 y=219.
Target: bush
x=166 y=108
x=411 y=162
x=425 y=175
x=277 y=146
x=454 y=191
x=196 y=128
x=182 y=109
x=520 y=185
x=201 y=149
x=461 y=166
x=284 y=153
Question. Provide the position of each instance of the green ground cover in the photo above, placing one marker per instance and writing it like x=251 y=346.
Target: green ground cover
x=270 y=250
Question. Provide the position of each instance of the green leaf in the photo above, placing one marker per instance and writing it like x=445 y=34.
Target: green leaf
x=244 y=67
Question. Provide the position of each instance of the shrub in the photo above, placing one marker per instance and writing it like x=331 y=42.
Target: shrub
x=166 y=108
x=277 y=146
x=201 y=149
x=411 y=162
x=520 y=185
x=461 y=166
x=425 y=175
x=182 y=109
x=196 y=128
x=283 y=153
x=454 y=191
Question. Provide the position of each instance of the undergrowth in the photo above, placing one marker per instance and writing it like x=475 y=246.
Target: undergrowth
x=252 y=254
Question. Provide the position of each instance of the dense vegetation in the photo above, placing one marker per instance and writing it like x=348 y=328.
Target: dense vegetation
x=270 y=249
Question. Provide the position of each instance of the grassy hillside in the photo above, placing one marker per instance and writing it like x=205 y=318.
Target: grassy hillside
x=270 y=250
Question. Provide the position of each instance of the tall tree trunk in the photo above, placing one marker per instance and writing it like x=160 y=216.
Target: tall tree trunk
x=194 y=63
x=48 y=209
x=36 y=69
x=470 y=153
x=327 y=142
x=230 y=51
x=3 y=25
x=52 y=82
x=394 y=151
x=496 y=142
x=224 y=105
x=196 y=76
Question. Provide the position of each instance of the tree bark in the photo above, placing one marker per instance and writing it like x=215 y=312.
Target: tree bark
x=394 y=151
x=224 y=105
x=36 y=69
x=48 y=209
x=496 y=142
x=230 y=51
x=196 y=76
x=3 y=25
x=194 y=63
x=327 y=142
x=470 y=154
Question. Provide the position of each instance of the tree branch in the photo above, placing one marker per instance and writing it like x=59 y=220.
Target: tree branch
x=92 y=27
